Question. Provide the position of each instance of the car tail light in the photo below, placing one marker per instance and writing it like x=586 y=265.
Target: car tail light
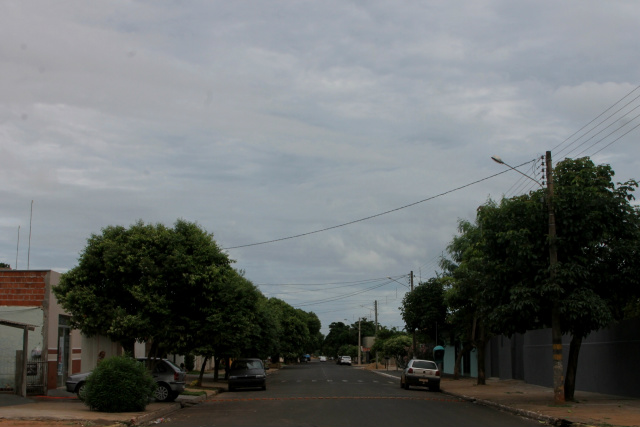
x=437 y=373
x=176 y=376
x=410 y=371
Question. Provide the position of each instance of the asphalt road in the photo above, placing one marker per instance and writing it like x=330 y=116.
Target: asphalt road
x=325 y=394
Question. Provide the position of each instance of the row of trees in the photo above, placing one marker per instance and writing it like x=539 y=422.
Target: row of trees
x=175 y=289
x=498 y=280
x=342 y=340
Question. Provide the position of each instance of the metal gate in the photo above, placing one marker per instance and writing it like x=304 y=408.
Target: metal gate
x=37 y=376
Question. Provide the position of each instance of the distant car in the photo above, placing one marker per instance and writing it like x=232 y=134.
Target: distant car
x=424 y=373
x=246 y=373
x=169 y=378
x=323 y=358
x=344 y=360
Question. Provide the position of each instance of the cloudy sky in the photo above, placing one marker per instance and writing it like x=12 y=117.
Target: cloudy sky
x=262 y=120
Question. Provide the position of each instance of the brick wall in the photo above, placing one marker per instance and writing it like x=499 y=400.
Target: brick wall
x=22 y=288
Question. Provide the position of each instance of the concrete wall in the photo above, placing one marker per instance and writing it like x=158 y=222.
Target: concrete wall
x=607 y=362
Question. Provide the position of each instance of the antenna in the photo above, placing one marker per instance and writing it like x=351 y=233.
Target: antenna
x=17 y=247
x=29 y=251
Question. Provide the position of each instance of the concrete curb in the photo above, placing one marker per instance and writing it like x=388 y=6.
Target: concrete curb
x=521 y=412
x=164 y=412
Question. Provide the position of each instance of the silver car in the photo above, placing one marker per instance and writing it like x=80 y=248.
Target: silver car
x=170 y=380
x=424 y=373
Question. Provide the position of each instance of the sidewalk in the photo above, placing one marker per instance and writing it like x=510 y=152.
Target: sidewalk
x=536 y=402
x=61 y=408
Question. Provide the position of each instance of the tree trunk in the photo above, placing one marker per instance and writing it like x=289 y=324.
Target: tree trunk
x=456 y=368
x=572 y=367
x=480 y=345
x=204 y=363
x=216 y=367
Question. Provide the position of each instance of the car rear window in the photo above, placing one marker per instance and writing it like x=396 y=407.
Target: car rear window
x=424 y=364
x=246 y=364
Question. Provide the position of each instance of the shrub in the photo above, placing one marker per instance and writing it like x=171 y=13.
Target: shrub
x=119 y=384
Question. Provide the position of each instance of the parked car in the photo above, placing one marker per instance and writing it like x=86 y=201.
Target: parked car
x=169 y=378
x=344 y=360
x=247 y=373
x=424 y=373
x=323 y=358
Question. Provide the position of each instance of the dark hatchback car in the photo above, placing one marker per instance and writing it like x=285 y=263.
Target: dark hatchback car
x=246 y=373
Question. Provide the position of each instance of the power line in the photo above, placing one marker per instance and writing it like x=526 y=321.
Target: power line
x=594 y=119
x=376 y=215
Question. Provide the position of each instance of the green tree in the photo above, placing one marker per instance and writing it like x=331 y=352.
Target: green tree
x=424 y=308
x=398 y=348
x=4 y=265
x=339 y=335
x=466 y=297
x=597 y=243
x=293 y=330
x=145 y=283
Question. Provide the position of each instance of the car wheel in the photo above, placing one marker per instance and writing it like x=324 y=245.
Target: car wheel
x=231 y=388
x=80 y=389
x=163 y=393
x=264 y=387
x=434 y=387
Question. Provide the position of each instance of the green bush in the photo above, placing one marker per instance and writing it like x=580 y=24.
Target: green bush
x=119 y=384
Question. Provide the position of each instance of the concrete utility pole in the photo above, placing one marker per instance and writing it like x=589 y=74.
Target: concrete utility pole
x=556 y=331
x=413 y=332
x=359 y=342
x=375 y=305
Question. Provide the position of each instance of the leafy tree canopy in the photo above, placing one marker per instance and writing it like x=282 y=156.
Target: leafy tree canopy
x=146 y=282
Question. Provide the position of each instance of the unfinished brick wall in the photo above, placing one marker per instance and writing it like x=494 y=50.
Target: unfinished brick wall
x=22 y=288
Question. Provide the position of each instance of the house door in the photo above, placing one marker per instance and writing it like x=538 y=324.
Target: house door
x=63 y=349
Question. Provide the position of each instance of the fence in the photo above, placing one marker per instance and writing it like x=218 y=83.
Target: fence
x=11 y=368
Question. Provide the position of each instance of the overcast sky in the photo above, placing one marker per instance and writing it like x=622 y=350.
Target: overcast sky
x=262 y=120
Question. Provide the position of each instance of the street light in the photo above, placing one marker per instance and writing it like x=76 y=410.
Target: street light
x=497 y=159
x=556 y=331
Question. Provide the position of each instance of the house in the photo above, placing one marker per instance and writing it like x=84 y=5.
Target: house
x=29 y=309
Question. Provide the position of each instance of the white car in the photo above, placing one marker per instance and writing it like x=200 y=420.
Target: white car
x=424 y=373
x=344 y=360
x=323 y=358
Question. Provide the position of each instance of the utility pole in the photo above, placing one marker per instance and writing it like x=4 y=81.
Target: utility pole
x=375 y=305
x=556 y=331
x=359 y=342
x=413 y=332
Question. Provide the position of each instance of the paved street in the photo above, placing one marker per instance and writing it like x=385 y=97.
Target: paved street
x=325 y=394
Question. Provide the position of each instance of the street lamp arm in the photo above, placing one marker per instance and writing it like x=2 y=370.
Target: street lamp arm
x=398 y=282
x=497 y=159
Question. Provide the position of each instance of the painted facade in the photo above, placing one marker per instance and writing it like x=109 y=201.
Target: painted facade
x=26 y=297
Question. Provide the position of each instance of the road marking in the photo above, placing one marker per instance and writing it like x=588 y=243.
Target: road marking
x=264 y=399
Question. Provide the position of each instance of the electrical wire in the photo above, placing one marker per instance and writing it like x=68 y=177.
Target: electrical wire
x=372 y=216
x=596 y=118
